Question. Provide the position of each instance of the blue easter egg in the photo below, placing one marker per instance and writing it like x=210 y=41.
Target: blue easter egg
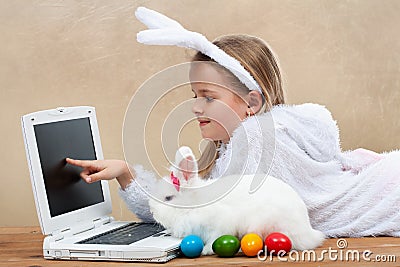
x=192 y=246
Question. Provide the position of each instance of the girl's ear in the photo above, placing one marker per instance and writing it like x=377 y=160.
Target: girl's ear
x=186 y=162
x=255 y=102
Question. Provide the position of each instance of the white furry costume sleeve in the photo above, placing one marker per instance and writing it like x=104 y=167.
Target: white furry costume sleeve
x=135 y=197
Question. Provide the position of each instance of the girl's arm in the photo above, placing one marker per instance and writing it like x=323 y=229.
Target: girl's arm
x=135 y=195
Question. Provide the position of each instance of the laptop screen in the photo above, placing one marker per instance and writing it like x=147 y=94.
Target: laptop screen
x=66 y=191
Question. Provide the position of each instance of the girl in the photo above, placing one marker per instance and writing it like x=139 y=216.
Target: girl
x=353 y=193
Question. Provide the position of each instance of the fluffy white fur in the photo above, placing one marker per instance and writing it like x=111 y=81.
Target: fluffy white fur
x=274 y=207
x=347 y=194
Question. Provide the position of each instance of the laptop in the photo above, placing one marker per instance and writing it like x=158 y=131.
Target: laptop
x=74 y=215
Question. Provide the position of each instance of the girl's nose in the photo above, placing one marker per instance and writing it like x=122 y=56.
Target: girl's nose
x=197 y=107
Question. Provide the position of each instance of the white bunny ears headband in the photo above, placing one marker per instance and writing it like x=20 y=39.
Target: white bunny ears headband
x=165 y=31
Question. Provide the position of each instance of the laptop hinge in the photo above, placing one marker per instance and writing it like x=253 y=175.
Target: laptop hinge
x=61 y=234
x=102 y=221
x=67 y=232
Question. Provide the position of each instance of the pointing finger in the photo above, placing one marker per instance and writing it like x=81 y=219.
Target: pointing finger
x=79 y=163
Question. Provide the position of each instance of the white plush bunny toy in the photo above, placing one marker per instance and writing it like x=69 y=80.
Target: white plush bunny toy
x=187 y=204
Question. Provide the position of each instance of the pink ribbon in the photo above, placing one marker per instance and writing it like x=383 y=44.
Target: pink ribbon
x=175 y=181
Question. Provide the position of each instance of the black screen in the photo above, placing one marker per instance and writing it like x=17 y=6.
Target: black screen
x=66 y=191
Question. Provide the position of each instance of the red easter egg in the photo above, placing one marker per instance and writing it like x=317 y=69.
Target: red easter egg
x=276 y=242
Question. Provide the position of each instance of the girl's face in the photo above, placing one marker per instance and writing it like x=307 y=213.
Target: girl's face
x=218 y=109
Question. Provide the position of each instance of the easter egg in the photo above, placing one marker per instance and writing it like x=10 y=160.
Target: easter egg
x=277 y=241
x=192 y=246
x=251 y=244
x=226 y=246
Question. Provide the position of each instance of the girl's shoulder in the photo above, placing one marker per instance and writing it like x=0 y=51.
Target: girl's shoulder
x=287 y=116
x=306 y=123
x=302 y=111
x=311 y=127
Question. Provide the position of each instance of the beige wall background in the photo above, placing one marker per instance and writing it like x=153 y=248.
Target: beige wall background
x=342 y=54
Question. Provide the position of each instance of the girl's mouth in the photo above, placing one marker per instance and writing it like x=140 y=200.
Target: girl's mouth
x=203 y=122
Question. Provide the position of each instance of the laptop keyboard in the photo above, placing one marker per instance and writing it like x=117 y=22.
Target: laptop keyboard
x=125 y=235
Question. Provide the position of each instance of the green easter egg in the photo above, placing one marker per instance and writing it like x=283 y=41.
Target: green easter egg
x=226 y=246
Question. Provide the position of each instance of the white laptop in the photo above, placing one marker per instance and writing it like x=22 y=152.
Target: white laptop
x=74 y=215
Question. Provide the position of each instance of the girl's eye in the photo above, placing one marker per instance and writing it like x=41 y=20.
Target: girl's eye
x=209 y=99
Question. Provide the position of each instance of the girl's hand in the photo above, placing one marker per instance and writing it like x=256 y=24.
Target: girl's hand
x=95 y=170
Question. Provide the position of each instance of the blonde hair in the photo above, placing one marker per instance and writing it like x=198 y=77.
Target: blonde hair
x=258 y=59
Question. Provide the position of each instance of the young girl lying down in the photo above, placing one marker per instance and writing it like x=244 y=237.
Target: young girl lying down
x=238 y=89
